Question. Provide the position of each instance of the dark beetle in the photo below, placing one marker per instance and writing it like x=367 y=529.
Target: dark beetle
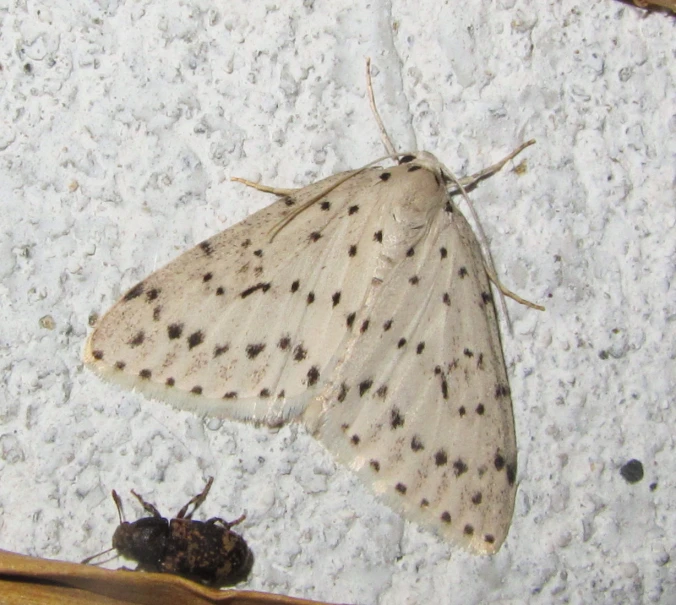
x=204 y=551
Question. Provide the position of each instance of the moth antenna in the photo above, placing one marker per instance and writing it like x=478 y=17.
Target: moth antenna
x=384 y=137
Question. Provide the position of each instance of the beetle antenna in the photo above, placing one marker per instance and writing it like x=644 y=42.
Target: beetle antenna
x=118 y=503
x=104 y=552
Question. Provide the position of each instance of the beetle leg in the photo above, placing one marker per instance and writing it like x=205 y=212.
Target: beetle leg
x=147 y=506
x=195 y=502
x=226 y=524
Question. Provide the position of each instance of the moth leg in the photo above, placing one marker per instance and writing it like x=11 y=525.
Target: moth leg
x=147 y=506
x=506 y=292
x=195 y=502
x=226 y=524
x=264 y=188
x=469 y=181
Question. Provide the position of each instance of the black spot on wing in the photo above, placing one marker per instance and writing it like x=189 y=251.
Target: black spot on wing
x=253 y=350
x=364 y=386
x=206 y=248
x=196 y=338
x=295 y=285
x=138 y=339
x=312 y=376
x=259 y=286
x=174 y=331
x=417 y=444
x=221 y=350
x=502 y=390
x=385 y=176
x=135 y=292
x=396 y=418
x=460 y=467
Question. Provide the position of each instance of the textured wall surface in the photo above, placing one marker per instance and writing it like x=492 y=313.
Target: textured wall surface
x=120 y=125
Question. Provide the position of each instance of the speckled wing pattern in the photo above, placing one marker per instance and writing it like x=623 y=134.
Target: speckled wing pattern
x=368 y=316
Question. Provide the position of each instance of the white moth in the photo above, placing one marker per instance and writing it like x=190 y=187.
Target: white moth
x=360 y=306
